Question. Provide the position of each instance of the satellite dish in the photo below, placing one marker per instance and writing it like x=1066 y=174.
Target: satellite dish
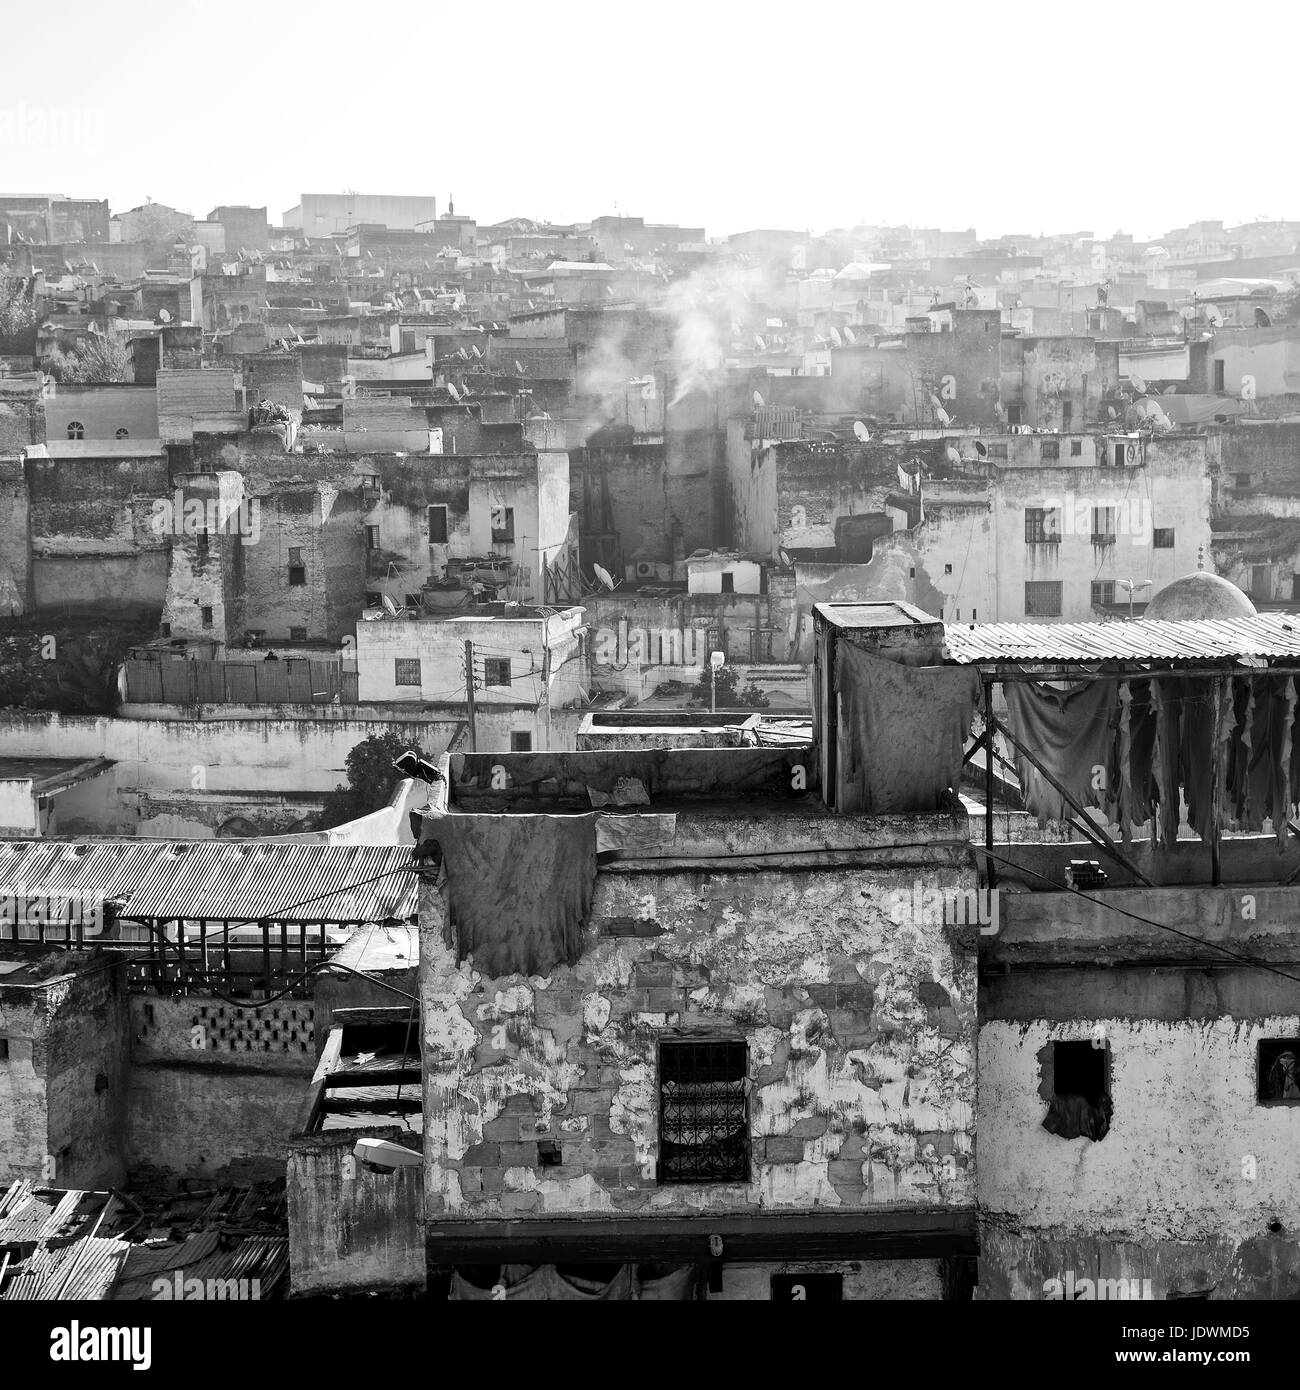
x=850 y=334
x=389 y=605
x=1111 y=412
x=860 y=431
x=451 y=387
x=1139 y=385
x=519 y=366
x=783 y=555
x=952 y=455
x=604 y=576
x=758 y=400
x=1170 y=391
x=981 y=449
x=759 y=343
x=942 y=416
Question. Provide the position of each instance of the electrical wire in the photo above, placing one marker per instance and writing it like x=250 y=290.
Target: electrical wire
x=1138 y=917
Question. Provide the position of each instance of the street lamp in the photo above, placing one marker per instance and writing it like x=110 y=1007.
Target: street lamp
x=1130 y=585
x=716 y=662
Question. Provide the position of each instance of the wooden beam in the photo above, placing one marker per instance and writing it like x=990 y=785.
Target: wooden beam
x=879 y=1235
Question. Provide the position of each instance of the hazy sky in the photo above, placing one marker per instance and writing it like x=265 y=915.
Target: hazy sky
x=1104 y=116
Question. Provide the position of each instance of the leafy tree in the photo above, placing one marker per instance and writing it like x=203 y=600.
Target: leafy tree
x=90 y=362
x=728 y=696
x=371 y=780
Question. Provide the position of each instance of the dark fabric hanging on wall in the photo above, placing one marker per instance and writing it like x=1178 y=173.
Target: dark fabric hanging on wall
x=1073 y=734
x=519 y=888
x=524 y=1283
x=902 y=731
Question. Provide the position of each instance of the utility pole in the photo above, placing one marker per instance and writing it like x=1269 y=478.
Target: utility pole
x=469 y=695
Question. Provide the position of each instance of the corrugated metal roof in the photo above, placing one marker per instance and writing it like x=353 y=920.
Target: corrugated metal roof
x=234 y=880
x=1270 y=636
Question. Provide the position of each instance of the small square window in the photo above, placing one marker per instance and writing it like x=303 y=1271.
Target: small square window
x=1162 y=538
x=1103 y=592
x=1078 y=1089
x=521 y=741
x=1042 y=526
x=297 y=574
x=1049 y=450
x=549 y=1154
x=703 y=1112
x=1076 y=448
x=437 y=525
x=728 y=582
x=1043 y=598
x=1279 y=1071
x=947 y=569
x=496 y=671
x=205 y=615
x=297 y=634
x=1243 y=480
x=406 y=670
x=166 y=629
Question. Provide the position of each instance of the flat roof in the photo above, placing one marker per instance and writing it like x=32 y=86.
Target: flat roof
x=859 y=615
x=48 y=773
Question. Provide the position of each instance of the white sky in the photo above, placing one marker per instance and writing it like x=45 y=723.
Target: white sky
x=1009 y=117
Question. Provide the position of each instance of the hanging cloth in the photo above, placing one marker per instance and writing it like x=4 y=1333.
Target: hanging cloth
x=902 y=731
x=1073 y=734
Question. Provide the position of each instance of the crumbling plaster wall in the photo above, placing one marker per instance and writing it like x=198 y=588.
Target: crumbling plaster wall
x=1185 y=1118
x=860 y=1037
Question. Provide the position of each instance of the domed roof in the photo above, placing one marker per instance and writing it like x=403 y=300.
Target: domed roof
x=1199 y=595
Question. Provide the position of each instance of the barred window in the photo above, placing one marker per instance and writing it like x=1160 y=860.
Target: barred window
x=703 y=1112
x=1103 y=592
x=1043 y=598
x=1162 y=538
x=496 y=670
x=406 y=670
x=1042 y=526
x=1049 y=449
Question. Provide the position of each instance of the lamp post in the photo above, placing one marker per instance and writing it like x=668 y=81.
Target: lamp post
x=716 y=661
x=1131 y=585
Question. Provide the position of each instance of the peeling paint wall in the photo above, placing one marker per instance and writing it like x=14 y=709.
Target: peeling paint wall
x=1183 y=1188
x=859 y=1032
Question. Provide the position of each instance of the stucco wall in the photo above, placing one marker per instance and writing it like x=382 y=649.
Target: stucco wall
x=860 y=1038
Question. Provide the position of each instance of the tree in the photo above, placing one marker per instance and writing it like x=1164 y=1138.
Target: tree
x=727 y=695
x=371 y=780
x=87 y=362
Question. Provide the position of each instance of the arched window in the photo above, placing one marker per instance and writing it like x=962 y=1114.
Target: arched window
x=76 y=430
x=122 y=433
